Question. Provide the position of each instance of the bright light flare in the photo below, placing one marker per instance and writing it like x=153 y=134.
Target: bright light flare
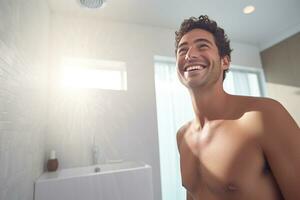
x=249 y=9
x=75 y=76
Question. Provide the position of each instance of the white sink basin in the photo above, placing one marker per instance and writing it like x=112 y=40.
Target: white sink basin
x=116 y=181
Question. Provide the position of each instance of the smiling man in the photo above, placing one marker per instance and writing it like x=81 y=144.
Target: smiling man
x=237 y=147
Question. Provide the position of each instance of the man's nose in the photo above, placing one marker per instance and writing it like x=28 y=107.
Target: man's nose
x=191 y=54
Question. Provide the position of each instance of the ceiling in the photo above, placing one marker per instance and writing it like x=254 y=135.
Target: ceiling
x=272 y=21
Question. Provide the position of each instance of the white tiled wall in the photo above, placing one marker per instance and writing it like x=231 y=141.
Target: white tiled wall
x=23 y=92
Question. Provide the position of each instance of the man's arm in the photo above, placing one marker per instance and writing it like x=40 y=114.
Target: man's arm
x=179 y=138
x=281 y=145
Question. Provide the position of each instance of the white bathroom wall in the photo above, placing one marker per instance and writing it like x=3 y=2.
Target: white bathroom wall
x=23 y=92
x=124 y=122
x=288 y=96
x=245 y=55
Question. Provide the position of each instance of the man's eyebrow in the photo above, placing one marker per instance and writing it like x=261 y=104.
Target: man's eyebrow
x=182 y=44
x=203 y=40
x=196 y=41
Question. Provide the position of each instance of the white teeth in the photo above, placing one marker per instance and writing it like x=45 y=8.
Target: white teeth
x=198 y=67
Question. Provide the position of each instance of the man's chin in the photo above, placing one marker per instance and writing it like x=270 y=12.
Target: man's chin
x=194 y=84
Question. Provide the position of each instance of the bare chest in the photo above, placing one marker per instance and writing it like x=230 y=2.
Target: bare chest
x=220 y=159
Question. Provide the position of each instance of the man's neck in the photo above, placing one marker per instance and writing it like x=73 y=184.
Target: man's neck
x=210 y=104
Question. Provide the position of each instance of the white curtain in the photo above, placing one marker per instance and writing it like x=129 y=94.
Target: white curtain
x=174 y=108
x=243 y=82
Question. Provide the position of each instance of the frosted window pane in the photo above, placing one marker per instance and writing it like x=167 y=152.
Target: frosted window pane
x=254 y=86
x=241 y=83
x=173 y=110
x=228 y=83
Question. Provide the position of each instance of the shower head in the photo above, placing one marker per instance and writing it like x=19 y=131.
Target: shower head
x=92 y=3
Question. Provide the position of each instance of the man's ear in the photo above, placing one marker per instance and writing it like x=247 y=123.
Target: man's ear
x=225 y=61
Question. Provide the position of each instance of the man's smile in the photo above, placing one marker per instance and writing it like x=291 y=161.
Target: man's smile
x=195 y=66
x=194 y=69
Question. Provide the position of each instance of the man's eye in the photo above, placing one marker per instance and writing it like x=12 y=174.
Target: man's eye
x=202 y=45
x=182 y=51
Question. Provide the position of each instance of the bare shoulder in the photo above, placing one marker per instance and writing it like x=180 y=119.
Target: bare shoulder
x=263 y=115
x=258 y=103
x=181 y=131
x=271 y=111
x=262 y=103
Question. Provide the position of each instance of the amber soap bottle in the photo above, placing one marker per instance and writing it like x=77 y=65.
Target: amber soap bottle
x=52 y=163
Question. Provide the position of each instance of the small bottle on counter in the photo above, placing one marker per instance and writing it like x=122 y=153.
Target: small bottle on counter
x=52 y=163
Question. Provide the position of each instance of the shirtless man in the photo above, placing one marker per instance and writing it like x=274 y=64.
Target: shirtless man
x=237 y=147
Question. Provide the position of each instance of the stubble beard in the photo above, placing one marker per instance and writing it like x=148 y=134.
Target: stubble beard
x=209 y=79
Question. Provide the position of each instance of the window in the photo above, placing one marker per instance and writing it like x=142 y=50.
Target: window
x=88 y=73
x=244 y=81
x=174 y=109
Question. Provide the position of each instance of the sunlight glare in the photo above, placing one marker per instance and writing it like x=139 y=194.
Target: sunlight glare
x=79 y=77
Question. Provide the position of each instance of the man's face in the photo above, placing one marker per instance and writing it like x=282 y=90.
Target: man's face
x=198 y=60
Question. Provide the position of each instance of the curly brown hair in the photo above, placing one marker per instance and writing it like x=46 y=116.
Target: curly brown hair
x=203 y=22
